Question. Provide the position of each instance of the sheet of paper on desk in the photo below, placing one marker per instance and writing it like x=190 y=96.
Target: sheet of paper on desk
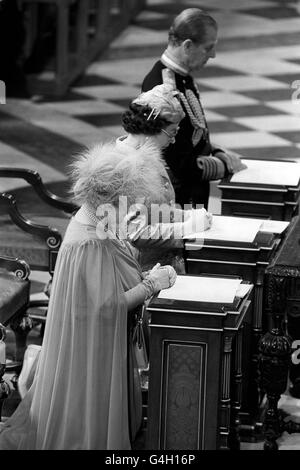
x=273 y=226
x=239 y=229
x=243 y=289
x=202 y=289
x=268 y=172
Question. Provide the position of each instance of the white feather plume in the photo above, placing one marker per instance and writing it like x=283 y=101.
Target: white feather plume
x=103 y=173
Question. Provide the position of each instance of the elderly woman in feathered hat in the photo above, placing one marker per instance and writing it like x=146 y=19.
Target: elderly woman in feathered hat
x=86 y=391
x=85 y=394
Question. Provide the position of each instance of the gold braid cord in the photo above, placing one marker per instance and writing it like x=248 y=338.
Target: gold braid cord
x=191 y=104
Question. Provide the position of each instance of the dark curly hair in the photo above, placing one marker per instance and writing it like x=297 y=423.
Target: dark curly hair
x=135 y=120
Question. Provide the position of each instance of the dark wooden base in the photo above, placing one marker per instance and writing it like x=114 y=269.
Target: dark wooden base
x=251 y=429
x=295 y=389
x=4 y=388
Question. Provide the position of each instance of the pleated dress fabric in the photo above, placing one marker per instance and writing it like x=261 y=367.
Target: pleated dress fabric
x=79 y=396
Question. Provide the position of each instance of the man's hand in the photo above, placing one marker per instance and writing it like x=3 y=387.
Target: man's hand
x=232 y=161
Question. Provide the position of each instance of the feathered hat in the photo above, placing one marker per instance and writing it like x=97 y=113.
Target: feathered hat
x=105 y=172
x=164 y=101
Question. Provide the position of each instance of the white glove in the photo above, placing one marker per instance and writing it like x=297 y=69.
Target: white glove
x=159 y=278
x=172 y=275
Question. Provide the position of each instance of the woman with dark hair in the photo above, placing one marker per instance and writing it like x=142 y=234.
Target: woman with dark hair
x=154 y=114
x=152 y=121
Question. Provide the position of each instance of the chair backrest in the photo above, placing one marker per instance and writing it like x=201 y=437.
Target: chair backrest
x=14 y=287
x=34 y=179
x=22 y=238
x=16 y=266
x=38 y=243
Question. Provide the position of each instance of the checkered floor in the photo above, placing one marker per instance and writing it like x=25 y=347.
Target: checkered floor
x=247 y=90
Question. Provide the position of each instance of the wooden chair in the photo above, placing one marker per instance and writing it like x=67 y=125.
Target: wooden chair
x=14 y=301
x=37 y=237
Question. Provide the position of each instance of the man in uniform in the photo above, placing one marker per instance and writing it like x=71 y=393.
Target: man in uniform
x=192 y=161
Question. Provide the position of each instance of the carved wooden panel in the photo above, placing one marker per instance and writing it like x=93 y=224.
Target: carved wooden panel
x=293 y=308
x=183 y=417
x=294 y=288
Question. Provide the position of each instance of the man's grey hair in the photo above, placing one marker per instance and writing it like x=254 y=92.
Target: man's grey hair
x=193 y=24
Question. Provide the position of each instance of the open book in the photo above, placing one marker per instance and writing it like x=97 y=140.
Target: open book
x=268 y=173
x=238 y=229
x=206 y=289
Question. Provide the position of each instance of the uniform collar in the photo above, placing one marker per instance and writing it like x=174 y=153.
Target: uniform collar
x=172 y=63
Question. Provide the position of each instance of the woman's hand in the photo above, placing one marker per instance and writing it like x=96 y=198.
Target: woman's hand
x=208 y=218
x=161 y=277
x=198 y=220
x=172 y=275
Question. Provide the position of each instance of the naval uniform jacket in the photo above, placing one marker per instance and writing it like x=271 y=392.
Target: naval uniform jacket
x=180 y=157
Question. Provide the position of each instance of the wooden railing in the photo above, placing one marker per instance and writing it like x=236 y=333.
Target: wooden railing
x=81 y=29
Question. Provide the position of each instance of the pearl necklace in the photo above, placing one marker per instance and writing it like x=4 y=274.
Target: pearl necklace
x=93 y=217
x=90 y=214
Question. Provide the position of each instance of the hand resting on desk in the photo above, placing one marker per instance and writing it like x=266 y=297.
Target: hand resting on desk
x=232 y=161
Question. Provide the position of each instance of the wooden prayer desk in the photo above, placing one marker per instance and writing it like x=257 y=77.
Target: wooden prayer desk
x=195 y=373
x=261 y=195
x=249 y=260
x=276 y=347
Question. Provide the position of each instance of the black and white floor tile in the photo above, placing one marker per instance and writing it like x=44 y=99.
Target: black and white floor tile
x=247 y=92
